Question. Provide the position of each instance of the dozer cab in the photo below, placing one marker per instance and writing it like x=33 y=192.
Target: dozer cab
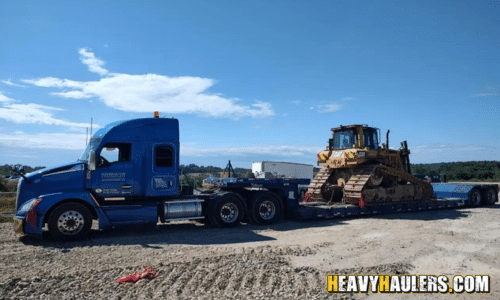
x=356 y=170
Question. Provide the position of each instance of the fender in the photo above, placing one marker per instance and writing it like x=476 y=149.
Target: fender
x=33 y=214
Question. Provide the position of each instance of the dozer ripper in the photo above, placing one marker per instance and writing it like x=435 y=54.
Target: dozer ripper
x=356 y=170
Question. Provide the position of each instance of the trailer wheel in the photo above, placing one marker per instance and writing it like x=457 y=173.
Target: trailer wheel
x=70 y=222
x=227 y=211
x=265 y=209
x=489 y=196
x=475 y=197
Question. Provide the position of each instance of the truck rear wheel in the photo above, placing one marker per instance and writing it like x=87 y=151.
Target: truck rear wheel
x=490 y=196
x=475 y=197
x=226 y=211
x=69 y=222
x=265 y=209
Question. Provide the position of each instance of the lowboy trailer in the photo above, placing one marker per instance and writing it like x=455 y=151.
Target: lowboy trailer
x=129 y=175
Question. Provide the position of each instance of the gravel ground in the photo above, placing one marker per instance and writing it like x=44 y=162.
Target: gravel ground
x=289 y=260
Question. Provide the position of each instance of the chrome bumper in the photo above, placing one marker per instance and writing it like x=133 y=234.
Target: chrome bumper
x=18 y=225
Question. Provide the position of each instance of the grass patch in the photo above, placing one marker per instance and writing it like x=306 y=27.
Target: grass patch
x=4 y=219
x=7 y=208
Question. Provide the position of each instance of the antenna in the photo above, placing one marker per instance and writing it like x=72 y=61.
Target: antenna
x=91 y=126
x=87 y=137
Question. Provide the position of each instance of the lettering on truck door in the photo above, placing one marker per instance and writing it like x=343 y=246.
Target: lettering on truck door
x=113 y=177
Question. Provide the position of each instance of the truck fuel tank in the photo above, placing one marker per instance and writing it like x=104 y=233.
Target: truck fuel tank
x=187 y=209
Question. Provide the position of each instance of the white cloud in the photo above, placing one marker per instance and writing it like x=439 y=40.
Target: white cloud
x=8 y=82
x=296 y=102
x=4 y=98
x=278 y=150
x=488 y=91
x=55 y=82
x=75 y=141
x=485 y=95
x=94 y=64
x=325 y=108
x=332 y=106
x=73 y=95
x=63 y=141
x=150 y=92
x=35 y=113
x=452 y=152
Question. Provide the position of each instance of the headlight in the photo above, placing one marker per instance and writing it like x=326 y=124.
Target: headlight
x=361 y=154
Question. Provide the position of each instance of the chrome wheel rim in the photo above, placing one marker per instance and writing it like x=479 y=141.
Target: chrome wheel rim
x=70 y=222
x=267 y=210
x=229 y=212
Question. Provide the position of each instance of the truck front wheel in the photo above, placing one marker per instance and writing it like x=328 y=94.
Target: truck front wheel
x=69 y=222
x=265 y=209
x=226 y=211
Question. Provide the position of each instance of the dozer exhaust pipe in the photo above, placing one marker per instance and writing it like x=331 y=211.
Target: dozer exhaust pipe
x=387 y=139
x=405 y=155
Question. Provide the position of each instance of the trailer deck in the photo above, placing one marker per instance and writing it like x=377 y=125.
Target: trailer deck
x=310 y=210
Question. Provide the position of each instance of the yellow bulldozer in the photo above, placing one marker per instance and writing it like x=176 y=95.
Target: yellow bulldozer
x=356 y=170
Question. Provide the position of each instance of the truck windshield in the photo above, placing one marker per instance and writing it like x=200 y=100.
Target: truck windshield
x=343 y=139
x=92 y=146
x=95 y=140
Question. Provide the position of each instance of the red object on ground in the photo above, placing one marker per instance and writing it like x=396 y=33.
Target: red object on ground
x=149 y=273
x=361 y=202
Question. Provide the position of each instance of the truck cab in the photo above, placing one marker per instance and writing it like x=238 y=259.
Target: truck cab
x=124 y=169
x=129 y=174
x=134 y=159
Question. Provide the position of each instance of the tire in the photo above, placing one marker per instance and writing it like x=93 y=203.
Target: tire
x=70 y=222
x=265 y=209
x=226 y=211
x=475 y=197
x=490 y=196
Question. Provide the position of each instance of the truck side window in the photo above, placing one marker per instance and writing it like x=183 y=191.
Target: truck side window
x=164 y=156
x=115 y=152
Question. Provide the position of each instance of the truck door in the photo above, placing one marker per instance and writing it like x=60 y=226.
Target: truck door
x=113 y=177
x=164 y=179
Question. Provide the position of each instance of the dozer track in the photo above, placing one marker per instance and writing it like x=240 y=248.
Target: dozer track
x=396 y=186
x=319 y=180
x=355 y=185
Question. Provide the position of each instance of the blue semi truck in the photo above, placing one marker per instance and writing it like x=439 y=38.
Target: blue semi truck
x=129 y=175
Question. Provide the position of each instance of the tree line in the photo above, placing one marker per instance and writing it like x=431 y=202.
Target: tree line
x=461 y=171
x=192 y=168
x=6 y=170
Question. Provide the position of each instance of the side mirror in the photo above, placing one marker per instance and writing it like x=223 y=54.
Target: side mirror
x=19 y=169
x=91 y=164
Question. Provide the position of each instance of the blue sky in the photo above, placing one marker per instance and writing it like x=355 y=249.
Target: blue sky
x=251 y=80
